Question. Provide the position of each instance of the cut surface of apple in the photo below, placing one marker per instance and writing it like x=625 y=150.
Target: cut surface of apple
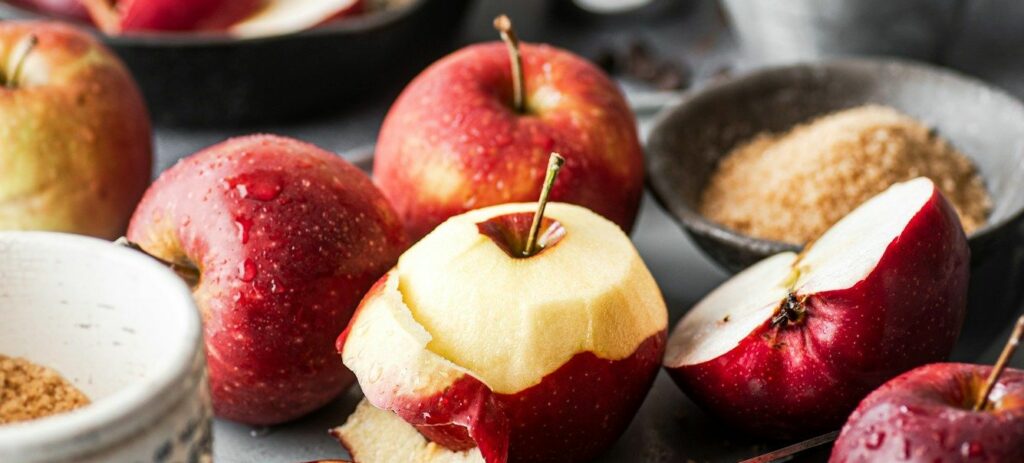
x=286 y=16
x=540 y=358
x=788 y=346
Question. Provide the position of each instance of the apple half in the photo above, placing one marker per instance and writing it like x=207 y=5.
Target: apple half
x=469 y=348
x=789 y=346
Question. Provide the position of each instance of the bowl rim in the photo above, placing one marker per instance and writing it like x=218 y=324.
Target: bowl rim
x=354 y=25
x=114 y=411
x=697 y=223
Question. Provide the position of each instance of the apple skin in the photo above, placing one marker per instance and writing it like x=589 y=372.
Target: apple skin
x=288 y=238
x=452 y=142
x=805 y=378
x=127 y=16
x=925 y=416
x=77 y=148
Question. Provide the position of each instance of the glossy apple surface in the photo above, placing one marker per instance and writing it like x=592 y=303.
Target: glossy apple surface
x=287 y=238
x=788 y=347
x=541 y=358
x=453 y=142
x=926 y=415
x=75 y=139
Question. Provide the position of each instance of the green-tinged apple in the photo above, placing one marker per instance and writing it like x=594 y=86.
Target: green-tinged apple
x=280 y=239
x=479 y=346
x=943 y=412
x=75 y=139
x=457 y=138
x=788 y=347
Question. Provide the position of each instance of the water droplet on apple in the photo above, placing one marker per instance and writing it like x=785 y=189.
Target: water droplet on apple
x=275 y=287
x=375 y=372
x=242 y=226
x=875 y=440
x=905 y=451
x=246 y=270
x=263 y=187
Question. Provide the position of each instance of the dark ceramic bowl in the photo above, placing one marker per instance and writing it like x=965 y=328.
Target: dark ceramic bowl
x=984 y=123
x=210 y=80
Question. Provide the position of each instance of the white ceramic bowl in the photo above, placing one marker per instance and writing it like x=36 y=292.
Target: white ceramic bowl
x=125 y=331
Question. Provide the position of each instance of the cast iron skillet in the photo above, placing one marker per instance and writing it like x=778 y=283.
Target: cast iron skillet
x=984 y=123
x=210 y=80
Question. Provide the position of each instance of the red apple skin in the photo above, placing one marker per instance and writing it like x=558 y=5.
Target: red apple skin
x=288 y=238
x=925 y=416
x=573 y=414
x=126 y=16
x=452 y=142
x=804 y=379
x=76 y=148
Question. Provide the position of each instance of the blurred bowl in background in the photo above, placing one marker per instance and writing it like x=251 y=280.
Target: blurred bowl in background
x=986 y=124
x=214 y=80
x=800 y=30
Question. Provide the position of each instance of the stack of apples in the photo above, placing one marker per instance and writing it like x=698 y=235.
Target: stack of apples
x=242 y=18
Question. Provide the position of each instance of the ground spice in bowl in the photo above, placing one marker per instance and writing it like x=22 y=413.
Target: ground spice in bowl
x=29 y=391
x=793 y=186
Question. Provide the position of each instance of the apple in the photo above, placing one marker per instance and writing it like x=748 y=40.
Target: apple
x=71 y=9
x=456 y=139
x=476 y=347
x=279 y=17
x=132 y=16
x=941 y=412
x=75 y=139
x=280 y=240
x=788 y=347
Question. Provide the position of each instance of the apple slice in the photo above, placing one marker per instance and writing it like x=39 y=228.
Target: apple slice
x=121 y=16
x=361 y=436
x=789 y=346
x=287 y=16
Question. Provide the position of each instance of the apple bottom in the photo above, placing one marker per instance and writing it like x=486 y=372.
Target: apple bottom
x=926 y=415
x=574 y=414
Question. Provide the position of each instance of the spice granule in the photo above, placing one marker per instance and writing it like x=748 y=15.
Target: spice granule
x=29 y=391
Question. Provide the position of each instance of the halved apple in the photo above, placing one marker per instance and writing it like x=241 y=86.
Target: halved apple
x=485 y=351
x=789 y=346
x=129 y=16
x=286 y=16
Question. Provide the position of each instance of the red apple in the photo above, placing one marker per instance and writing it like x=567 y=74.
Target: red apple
x=278 y=17
x=926 y=416
x=284 y=239
x=789 y=346
x=75 y=138
x=470 y=351
x=454 y=140
x=128 y=16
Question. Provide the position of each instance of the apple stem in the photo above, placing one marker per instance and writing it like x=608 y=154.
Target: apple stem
x=508 y=35
x=791 y=310
x=187 y=272
x=1004 y=358
x=19 y=63
x=555 y=162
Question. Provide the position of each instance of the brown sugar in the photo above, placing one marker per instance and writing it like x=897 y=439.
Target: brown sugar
x=793 y=186
x=29 y=391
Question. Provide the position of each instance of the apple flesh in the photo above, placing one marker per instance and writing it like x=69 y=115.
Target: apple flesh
x=926 y=415
x=452 y=141
x=75 y=138
x=286 y=239
x=278 y=17
x=485 y=351
x=789 y=346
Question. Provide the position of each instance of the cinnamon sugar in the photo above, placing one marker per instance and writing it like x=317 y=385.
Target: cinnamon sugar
x=793 y=186
x=29 y=391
